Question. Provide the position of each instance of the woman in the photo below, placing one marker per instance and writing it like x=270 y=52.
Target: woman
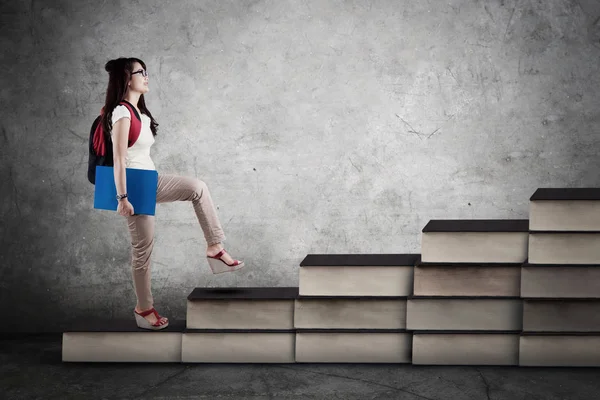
x=128 y=81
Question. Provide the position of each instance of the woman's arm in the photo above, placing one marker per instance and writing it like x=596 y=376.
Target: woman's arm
x=120 y=138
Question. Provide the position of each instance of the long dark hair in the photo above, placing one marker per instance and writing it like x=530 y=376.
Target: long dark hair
x=119 y=75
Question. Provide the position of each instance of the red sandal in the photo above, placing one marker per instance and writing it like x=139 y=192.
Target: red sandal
x=145 y=324
x=217 y=265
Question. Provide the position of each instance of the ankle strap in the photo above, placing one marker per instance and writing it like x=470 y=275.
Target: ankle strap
x=144 y=313
x=219 y=254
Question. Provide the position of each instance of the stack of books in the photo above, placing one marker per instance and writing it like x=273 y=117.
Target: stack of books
x=465 y=308
x=561 y=280
x=352 y=308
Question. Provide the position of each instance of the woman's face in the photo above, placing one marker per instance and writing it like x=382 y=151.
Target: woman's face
x=139 y=82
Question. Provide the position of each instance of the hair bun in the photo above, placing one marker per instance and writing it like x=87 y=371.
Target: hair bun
x=110 y=66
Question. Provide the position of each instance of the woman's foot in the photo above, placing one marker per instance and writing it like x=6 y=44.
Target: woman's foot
x=213 y=250
x=152 y=317
x=219 y=261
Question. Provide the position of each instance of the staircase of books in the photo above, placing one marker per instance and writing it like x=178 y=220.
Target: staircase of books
x=482 y=292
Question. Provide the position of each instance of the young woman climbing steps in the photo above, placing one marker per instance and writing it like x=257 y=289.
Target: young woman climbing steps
x=128 y=81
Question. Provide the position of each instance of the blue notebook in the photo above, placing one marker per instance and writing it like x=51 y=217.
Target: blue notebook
x=141 y=189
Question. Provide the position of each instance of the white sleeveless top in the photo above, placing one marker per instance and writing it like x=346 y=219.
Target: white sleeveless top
x=138 y=155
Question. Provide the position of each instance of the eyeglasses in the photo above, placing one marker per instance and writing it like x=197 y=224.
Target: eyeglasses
x=141 y=71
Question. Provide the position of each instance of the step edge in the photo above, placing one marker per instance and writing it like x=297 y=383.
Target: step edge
x=289 y=293
x=560 y=265
x=465 y=331
x=238 y=330
x=307 y=261
x=351 y=330
x=558 y=333
x=539 y=193
x=469 y=264
x=349 y=297
x=446 y=297
x=546 y=232
x=561 y=299
x=518 y=221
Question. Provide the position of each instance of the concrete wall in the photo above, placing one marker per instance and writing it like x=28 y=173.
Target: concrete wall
x=319 y=127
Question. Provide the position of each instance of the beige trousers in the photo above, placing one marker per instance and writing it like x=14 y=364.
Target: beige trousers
x=141 y=227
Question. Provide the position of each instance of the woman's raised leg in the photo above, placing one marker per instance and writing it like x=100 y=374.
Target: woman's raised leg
x=182 y=188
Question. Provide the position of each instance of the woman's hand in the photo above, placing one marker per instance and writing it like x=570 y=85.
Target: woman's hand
x=125 y=208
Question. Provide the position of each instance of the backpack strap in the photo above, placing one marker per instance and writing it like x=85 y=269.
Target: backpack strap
x=99 y=142
x=136 y=123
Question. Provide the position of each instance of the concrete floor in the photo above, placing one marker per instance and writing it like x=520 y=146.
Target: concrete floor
x=31 y=368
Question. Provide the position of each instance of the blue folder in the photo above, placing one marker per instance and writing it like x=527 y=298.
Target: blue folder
x=141 y=189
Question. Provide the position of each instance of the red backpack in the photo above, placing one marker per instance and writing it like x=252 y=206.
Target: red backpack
x=101 y=146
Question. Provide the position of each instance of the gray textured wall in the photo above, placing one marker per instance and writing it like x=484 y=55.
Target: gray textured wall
x=319 y=127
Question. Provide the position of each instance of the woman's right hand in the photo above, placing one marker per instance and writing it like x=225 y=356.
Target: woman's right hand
x=125 y=208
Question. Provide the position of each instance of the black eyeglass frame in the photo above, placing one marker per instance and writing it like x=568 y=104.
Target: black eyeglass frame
x=141 y=71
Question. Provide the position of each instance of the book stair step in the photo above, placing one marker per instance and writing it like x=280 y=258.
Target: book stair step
x=238 y=346
x=561 y=315
x=464 y=313
x=560 y=280
x=568 y=209
x=350 y=312
x=240 y=325
x=551 y=247
x=465 y=348
x=559 y=349
x=353 y=346
x=357 y=274
x=241 y=308
x=475 y=241
x=467 y=279
x=121 y=341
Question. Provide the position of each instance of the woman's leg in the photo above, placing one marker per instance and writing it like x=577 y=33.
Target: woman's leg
x=181 y=188
x=141 y=229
